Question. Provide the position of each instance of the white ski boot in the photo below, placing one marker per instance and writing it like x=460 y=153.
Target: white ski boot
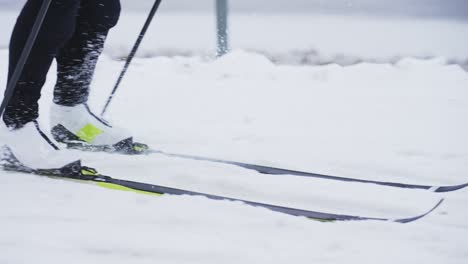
x=78 y=128
x=28 y=147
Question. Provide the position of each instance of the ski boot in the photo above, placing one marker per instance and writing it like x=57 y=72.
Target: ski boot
x=79 y=128
x=28 y=149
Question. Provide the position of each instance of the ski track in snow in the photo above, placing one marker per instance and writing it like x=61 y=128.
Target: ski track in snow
x=404 y=122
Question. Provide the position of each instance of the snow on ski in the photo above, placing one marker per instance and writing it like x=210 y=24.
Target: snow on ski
x=75 y=172
x=280 y=171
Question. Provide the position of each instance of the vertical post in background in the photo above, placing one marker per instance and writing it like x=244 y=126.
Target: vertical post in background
x=222 y=27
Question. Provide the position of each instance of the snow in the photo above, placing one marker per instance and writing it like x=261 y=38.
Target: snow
x=402 y=121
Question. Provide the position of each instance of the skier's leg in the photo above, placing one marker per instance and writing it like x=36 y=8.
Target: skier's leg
x=72 y=121
x=77 y=59
x=26 y=144
x=57 y=28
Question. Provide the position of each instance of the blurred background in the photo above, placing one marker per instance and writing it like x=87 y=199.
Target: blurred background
x=456 y=9
x=293 y=31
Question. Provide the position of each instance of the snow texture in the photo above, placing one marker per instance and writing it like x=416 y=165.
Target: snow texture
x=403 y=122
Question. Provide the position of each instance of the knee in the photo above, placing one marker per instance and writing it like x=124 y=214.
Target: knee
x=104 y=15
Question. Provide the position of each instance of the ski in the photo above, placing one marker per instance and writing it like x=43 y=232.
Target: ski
x=76 y=172
x=259 y=168
x=280 y=171
x=263 y=169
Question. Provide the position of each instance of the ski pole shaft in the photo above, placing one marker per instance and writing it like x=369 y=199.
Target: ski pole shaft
x=25 y=54
x=132 y=53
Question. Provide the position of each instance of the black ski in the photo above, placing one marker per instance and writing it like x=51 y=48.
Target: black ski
x=260 y=168
x=76 y=172
x=280 y=171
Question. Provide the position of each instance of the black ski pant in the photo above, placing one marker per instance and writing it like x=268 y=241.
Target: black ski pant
x=73 y=33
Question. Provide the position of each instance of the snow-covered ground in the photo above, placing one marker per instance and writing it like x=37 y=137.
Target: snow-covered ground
x=403 y=122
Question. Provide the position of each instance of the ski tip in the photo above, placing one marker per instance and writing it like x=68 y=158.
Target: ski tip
x=412 y=219
x=450 y=188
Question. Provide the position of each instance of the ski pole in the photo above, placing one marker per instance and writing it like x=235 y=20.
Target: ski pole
x=132 y=53
x=25 y=54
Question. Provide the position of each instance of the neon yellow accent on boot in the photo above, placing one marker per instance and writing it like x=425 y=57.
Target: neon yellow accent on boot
x=89 y=133
x=89 y=172
x=138 y=147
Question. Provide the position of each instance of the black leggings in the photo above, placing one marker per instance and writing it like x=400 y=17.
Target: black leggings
x=73 y=32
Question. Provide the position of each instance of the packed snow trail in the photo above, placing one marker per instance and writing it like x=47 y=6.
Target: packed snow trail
x=403 y=122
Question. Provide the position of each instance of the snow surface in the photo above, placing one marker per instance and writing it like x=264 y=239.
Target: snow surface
x=403 y=122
